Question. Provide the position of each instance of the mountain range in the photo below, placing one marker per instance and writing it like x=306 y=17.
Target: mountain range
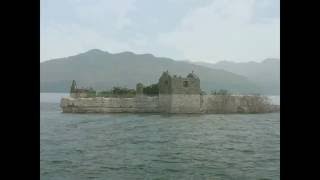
x=265 y=74
x=103 y=70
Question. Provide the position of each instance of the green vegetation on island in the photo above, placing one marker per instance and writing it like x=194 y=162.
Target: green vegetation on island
x=152 y=90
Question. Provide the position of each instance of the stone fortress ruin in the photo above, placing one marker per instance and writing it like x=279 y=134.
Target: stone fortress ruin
x=181 y=95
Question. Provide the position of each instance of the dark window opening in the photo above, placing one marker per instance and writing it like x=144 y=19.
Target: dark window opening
x=185 y=83
x=166 y=82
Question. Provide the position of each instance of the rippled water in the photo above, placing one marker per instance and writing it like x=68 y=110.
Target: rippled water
x=154 y=146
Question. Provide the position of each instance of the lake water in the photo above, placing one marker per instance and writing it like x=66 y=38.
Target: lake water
x=154 y=146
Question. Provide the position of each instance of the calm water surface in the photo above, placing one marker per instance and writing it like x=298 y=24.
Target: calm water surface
x=154 y=146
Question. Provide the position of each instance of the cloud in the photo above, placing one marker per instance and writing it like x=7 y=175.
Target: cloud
x=225 y=29
x=65 y=40
x=105 y=12
x=207 y=30
x=81 y=25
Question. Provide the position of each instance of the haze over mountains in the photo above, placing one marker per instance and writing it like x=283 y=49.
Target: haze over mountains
x=103 y=70
x=265 y=74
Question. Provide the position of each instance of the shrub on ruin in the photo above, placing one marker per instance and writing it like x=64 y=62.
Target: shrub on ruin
x=151 y=90
x=220 y=92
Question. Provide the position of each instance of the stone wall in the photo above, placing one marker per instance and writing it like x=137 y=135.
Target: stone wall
x=185 y=103
x=164 y=103
x=219 y=104
x=235 y=104
x=181 y=85
x=110 y=105
x=176 y=103
x=147 y=104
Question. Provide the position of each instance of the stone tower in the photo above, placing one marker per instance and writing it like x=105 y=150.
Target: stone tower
x=179 y=94
x=139 y=89
x=73 y=86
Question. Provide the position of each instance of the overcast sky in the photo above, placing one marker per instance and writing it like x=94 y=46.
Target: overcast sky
x=195 y=30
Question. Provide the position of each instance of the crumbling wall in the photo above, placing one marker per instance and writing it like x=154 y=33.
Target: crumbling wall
x=185 y=103
x=165 y=103
x=181 y=85
x=98 y=105
x=175 y=103
x=110 y=105
x=235 y=104
x=219 y=104
x=147 y=104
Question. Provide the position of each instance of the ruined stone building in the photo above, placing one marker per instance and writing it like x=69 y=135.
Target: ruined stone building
x=179 y=85
x=179 y=94
x=176 y=95
x=76 y=92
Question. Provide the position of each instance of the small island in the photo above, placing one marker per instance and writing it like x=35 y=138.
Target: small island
x=172 y=94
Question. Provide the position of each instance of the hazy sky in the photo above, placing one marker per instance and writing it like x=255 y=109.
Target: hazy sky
x=196 y=30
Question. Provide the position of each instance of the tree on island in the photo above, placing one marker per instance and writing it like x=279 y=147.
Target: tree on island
x=151 y=90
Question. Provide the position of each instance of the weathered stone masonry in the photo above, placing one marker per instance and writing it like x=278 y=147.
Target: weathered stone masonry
x=176 y=95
